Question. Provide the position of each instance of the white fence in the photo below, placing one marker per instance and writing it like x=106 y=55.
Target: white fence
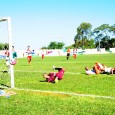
x=57 y=52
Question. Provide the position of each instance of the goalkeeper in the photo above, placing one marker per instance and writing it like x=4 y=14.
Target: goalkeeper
x=51 y=77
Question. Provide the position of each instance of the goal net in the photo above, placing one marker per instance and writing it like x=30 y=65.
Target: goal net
x=6 y=69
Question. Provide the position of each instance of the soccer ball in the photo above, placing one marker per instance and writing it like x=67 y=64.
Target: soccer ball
x=56 y=80
x=13 y=62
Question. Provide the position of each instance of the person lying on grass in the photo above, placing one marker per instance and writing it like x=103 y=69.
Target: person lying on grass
x=89 y=71
x=54 y=76
x=100 y=69
x=96 y=69
x=109 y=70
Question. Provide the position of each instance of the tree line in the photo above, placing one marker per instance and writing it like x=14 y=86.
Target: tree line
x=100 y=37
x=54 y=45
x=4 y=46
x=85 y=38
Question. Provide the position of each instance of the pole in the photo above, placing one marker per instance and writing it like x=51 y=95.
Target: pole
x=10 y=50
x=99 y=45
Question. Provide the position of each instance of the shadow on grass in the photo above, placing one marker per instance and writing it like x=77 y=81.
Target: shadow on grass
x=1 y=88
x=83 y=73
x=42 y=81
x=45 y=81
x=5 y=85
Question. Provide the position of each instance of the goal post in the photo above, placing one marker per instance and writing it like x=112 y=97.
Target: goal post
x=11 y=69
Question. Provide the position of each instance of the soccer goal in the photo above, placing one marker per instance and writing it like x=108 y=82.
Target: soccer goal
x=6 y=71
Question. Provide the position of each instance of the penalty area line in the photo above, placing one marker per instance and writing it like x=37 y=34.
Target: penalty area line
x=45 y=71
x=68 y=93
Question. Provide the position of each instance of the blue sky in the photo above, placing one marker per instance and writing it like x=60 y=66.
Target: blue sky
x=38 y=22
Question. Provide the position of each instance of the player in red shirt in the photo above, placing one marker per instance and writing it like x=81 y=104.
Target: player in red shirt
x=43 y=54
x=99 y=68
x=29 y=54
x=74 y=53
x=60 y=73
x=7 y=54
x=51 y=77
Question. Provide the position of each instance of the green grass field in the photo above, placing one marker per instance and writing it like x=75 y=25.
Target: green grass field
x=76 y=94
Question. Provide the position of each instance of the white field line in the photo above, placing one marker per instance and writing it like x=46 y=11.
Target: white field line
x=64 y=62
x=45 y=71
x=67 y=93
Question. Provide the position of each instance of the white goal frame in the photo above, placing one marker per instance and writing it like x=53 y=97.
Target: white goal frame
x=11 y=71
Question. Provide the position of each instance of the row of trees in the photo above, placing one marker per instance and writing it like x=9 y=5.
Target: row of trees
x=3 y=46
x=100 y=37
x=54 y=45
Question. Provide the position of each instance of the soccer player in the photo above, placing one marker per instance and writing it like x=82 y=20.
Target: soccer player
x=29 y=54
x=89 y=71
x=7 y=54
x=14 y=53
x=43 y=54
x=13 y=60
x=68 y=53
x=74 y=53
x=54 y=76
x=97 y=69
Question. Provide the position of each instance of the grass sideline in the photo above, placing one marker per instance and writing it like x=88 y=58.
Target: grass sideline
x=75 y=81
